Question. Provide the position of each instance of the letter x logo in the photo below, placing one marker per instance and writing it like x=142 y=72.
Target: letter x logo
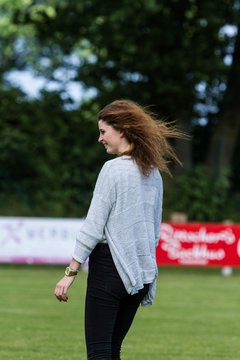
x=10 y=233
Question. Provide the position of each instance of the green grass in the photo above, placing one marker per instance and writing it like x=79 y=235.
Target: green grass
x=195 y=316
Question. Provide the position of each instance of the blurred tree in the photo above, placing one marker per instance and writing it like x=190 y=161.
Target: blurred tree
x=154 y=52
x=168 y=54
x=227 y=129
x=48 y=157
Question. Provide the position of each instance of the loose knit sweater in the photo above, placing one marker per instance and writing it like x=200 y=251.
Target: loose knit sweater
x=125 y=210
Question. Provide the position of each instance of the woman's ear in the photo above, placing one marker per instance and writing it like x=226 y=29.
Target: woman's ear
x=122 y=134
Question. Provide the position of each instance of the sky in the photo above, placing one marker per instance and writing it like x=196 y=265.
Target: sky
x=32 y=85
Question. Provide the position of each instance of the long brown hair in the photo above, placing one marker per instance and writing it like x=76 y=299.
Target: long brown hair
x=148 y=134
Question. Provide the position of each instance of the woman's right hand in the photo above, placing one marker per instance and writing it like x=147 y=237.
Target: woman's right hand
x=61 y=289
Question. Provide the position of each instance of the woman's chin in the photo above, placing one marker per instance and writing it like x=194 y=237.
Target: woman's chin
x=110 y=152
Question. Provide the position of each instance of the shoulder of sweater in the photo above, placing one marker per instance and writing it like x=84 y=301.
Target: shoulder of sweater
x=119 y=167
x=116 y=169
x=118 y=163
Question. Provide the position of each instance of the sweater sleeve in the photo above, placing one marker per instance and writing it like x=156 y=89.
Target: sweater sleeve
x=92 y=229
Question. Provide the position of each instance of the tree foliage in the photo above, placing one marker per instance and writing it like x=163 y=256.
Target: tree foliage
x=48 y=156
x=171 y=55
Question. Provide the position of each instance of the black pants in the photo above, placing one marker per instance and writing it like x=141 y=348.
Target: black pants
x=109 y=310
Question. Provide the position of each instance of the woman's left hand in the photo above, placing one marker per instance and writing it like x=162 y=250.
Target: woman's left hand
x=61 y=289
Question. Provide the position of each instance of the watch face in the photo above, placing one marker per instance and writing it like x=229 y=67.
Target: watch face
x=69 y=272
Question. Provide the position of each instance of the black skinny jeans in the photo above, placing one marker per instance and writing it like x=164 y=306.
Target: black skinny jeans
x=109 y=309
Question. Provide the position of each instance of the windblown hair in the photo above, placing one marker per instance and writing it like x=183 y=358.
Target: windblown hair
x=148 y=135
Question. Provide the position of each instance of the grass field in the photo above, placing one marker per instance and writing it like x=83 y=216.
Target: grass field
x=195 y=316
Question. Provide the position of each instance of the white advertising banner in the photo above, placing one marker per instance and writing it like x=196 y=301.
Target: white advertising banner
x=37 y=240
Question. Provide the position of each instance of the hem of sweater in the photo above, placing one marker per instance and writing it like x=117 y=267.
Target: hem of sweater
x=140 y=284
x=150 y=296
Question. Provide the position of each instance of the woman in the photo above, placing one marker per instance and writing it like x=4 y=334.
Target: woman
x=121 y=230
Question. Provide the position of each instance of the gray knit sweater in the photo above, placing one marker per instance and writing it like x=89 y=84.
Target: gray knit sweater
x=125 y=210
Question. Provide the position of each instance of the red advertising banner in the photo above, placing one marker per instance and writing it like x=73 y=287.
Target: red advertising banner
x=199 y=244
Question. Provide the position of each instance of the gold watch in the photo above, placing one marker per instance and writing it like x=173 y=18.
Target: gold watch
x=70 y=272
